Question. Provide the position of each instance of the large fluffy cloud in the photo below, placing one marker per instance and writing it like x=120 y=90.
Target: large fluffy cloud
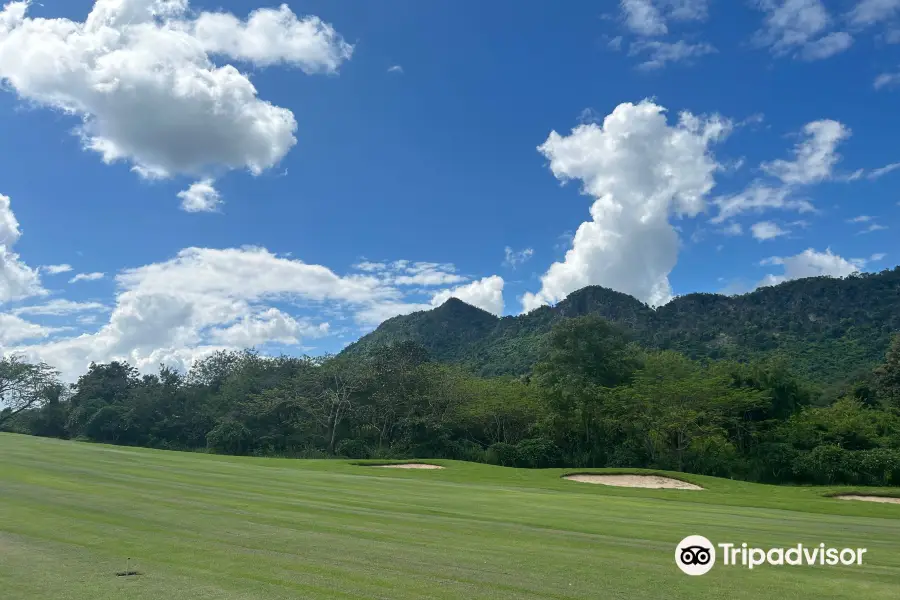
x=17 y=280
x=271 y=325
x=142 y=76
x=14 y=329
x=640 y=169
x=204 y=299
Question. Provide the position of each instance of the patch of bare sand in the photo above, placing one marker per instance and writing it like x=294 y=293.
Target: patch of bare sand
x=635 y=481
x=885 y=499
x=410 y=466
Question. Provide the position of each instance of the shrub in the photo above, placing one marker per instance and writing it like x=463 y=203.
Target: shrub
x=537 y=453
x=353 y=448
x=229 y=437
x=502 y=454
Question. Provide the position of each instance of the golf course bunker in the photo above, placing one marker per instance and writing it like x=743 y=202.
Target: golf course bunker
x=409 y=466
x=635 y=481
x=885 y=499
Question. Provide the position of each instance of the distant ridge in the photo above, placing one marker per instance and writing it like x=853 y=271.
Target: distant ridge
x=828 y=327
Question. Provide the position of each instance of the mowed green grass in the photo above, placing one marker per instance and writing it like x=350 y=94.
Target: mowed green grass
x=203 y=526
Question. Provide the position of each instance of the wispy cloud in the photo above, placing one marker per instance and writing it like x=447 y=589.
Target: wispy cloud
x=56 y=269
x=875 y=174
x=873 y=227
x=87 y=277
x=515 y=258
x=662 y=53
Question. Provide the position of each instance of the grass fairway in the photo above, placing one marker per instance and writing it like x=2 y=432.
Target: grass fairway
x=202 y=526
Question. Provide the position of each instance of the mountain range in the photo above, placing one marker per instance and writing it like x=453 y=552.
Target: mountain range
x=827 y=328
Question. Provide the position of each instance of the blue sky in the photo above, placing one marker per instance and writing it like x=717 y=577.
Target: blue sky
x=244 y=174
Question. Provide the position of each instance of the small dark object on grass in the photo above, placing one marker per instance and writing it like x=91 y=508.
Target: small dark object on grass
x=127 y=572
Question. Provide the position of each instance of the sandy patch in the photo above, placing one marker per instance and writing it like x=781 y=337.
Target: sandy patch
x=409 y=466
x=868 y=498
x=635 y=481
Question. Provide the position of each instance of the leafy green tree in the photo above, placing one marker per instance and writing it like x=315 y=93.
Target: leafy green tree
x=24 y=385
x=394 y=386
x=587 y=358
x=500 y=409
x=681 y=409
x=50 y=419
x=587 y=351
x=104 y=385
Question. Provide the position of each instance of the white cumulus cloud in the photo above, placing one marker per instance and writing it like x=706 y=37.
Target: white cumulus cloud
x=143 y=77
x=17 y=280
x=201 y=196
x=14 y=329
x=270 y=325
x=639 y=170
x=204 y=299
x=271 y=36
x=767 y=230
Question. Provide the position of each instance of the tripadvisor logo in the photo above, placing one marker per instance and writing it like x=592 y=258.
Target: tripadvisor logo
x=696 y=555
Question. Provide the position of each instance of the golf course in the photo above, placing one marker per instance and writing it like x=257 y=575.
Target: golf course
x=193 y=525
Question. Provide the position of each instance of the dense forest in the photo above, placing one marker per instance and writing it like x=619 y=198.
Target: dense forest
x=596 y=395
x=828 y=329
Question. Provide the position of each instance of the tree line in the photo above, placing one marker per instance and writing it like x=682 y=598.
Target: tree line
x=597 y=399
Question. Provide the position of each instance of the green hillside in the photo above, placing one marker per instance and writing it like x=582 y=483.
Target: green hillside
x=828 y=328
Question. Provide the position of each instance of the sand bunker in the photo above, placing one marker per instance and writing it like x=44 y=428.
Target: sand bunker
x=635 y=481
x=409 y=466
x=868 y=498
